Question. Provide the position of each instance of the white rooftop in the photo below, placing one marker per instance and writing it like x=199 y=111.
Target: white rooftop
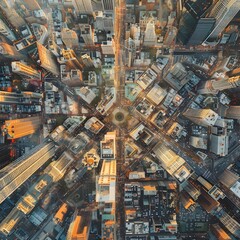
x=236 y=189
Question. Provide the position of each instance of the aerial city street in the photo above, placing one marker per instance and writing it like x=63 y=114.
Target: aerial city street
x=119 y=119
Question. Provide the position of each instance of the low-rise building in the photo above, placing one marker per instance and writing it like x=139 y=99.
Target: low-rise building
x=86 y=94
x=142 y=134
x=145 y=108
x=78 y=143
x=147 y=78
x=79 y=228
x=60 y=214
x=73 y=122
x=156 y=94
x=198 y=142
x=94 y=125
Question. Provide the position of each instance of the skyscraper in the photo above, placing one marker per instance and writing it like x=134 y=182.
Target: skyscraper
x=87 y=61
x=108 y=146
x=69 y=38
x=108 y=5
x=17 y=172
x=32 y=4
x=87 y=35
x=150 y=35
x=233 y=112
x=203 y=28
x=130 y=51
x=214 y=86
x=47 y=59
x=170 y=36
x=20 y=98
x=25 y=70
x=70 y=59
x=193 y=28
x=203 y=117
x=13 y=17
x=18 y=128
x=9 y=51
x=5 y=30
x=83 y=6
x=223 y=12
x=106 y=182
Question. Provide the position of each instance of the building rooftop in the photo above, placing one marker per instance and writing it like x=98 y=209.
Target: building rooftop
x=108 y=146
x=78 y=143
x=156 y=94
x=94 y=125
x=198 y=142
x=219 y=144
x=60 y=214
x=142 y=133
x=146 y=78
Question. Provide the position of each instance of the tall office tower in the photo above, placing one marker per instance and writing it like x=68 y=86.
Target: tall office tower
x=9 y=51
x=214 y=86
x=97 y=5
x=203 y=117
x=20 y=98
x=17 y=172
x=193 y=27
x=69 y=38
x=52 y=173
x=10 y=16
x=170 y=36
x=87 y=61
x=223 y=12
x=21 y=127
x=108 y=146
x=25 y=70
x=58 y=168
x=32 y=5
x=106 y=182
x=108 y=5
x=149 y=34
x=5 y=4
x=135 y=34
x=87 y=35
x=6 y=31
x=130 y=51
x=83 y=6
x=47 y=60
x=70 y=59
x=233 y=112
x=202 y=29
x=106 y=198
